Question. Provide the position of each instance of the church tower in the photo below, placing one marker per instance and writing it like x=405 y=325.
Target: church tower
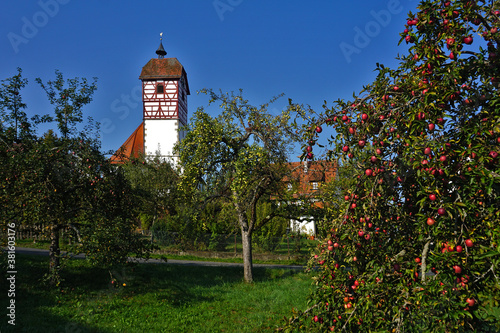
x=164 y=95
x=164 y=111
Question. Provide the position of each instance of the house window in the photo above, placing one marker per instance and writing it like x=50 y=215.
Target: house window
x=290 y=186
x=315 y=185
x=160 y=89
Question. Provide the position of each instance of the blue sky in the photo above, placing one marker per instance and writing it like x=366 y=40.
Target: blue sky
x=310 y=51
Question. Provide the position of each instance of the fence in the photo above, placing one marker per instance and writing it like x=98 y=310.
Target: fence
x=220 y=244
x=291 y=244
x=34 y=232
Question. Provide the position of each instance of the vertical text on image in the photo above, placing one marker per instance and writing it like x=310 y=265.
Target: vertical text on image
x=11 y=272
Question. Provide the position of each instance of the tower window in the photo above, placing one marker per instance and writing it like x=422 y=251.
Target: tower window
x=160 y=89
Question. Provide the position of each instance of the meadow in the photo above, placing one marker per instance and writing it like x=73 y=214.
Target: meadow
x=152 y=298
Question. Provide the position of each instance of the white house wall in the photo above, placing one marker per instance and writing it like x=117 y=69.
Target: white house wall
x=303 y=227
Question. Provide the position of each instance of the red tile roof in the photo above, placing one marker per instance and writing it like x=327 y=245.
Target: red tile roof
x=133 y=147
x=166 y=68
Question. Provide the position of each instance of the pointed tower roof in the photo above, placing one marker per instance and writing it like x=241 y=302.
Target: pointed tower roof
x=161 y=51
x=163 y=68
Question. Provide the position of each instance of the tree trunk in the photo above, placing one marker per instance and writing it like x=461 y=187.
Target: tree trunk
x=54 y=253
x=246 y=240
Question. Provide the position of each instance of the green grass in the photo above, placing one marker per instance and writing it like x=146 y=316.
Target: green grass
x=156 y=298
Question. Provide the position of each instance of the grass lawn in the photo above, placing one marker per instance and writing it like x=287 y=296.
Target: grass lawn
x=155 y=298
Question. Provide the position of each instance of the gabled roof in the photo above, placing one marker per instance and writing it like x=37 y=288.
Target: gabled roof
x=305 y=173
x=132 y=147
x=166 y=68
x=317 y=171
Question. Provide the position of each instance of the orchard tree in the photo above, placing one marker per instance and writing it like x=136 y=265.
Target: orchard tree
x=66 y=184
x=414 y=247
x=240 y=155
x=68 y=98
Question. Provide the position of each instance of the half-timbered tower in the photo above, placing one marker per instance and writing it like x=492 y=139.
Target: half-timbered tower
x=164 y=95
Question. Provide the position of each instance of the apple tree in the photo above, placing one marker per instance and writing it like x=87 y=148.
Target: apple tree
x=68 y=96
x=239 y=155
x=66 y=184
x=414 y=246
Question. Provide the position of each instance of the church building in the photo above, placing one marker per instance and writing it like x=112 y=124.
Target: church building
x=164 y=98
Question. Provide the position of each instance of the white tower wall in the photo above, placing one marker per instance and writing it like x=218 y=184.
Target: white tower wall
x=160 y=136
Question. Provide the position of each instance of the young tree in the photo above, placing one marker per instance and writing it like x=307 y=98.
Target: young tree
x=239 y=155
x=415 y=245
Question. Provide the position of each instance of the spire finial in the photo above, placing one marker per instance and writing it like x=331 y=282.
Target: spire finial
x=161 y=51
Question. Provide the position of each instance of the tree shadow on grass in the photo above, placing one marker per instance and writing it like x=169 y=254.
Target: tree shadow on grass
x=87 y=295
x=33 y=301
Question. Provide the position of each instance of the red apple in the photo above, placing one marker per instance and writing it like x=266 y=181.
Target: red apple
x=459 y=248
x=432 y=197
x=369 y=172
x=457 y=269
x=469 y=243
x=471 y=302
x=441 y=211
x=361 y=143
x=427 y=151
x=318 y=129
x=430 y=221
x=364 y=116
x=345 y=149
x=309 y=149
